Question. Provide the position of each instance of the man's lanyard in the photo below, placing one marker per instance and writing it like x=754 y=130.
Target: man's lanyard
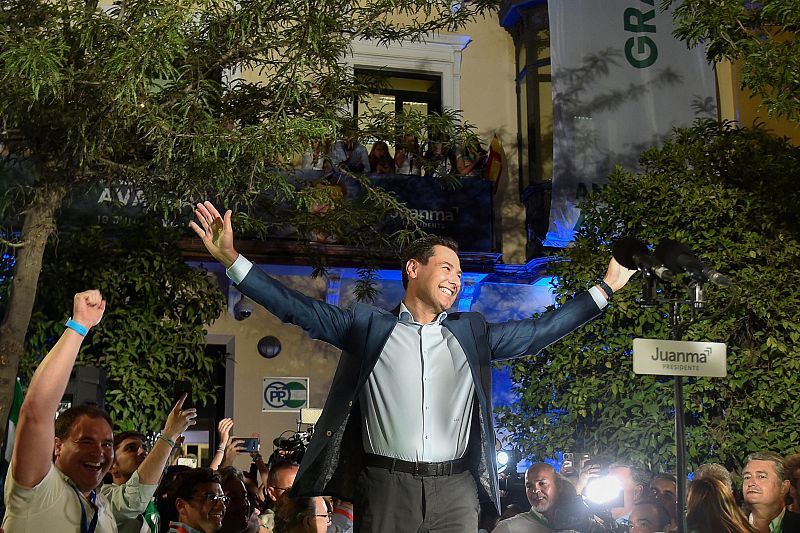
x=93 y=524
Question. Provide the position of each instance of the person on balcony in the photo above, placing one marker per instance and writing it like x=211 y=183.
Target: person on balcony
x=379 y=159
x=408 y=156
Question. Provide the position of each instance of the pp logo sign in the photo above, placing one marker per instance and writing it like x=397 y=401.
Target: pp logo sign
x=284 y=394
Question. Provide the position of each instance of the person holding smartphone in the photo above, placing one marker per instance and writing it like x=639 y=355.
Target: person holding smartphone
x=136 y=473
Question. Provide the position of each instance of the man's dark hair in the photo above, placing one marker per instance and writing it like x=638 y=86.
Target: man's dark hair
x=67 y=419
x=187 y=482
x=164 y=496
x=663 y=515
x=228 y=472
x=119 y=438
x=284 y=464
x=422 y=250
x=777 y=460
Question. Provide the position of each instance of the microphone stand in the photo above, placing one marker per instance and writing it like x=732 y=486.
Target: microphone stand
x=675 y=334
x=695 y=301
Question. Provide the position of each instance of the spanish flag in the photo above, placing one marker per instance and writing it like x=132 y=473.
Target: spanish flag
x=495 y=161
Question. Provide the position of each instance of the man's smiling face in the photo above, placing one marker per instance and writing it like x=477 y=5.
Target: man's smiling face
x=128 y=456
x=437 y=282
x=541 y=487
x=205 y=510
x=86 y=453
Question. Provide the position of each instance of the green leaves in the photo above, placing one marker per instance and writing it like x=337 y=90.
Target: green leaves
x=760 y=37
x=208 y=99
x=731 y=195
x=152 y=333
x=39 y=61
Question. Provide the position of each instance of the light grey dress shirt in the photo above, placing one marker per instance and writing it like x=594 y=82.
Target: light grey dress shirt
x=418 y=400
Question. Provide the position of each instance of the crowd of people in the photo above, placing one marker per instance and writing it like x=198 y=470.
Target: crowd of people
x=55 y=480
x=766 y=501
x=408 y=157
x=102 y=482
x=391 y=470
x=75 y=474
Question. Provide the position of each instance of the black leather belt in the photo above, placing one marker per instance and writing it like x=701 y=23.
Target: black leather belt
x=421 y=469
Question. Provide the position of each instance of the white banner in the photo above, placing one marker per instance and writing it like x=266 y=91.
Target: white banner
x=621 y=83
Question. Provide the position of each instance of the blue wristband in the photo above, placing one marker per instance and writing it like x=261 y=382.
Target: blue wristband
x=78 y=328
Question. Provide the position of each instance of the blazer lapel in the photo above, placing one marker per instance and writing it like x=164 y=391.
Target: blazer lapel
x=380 y=328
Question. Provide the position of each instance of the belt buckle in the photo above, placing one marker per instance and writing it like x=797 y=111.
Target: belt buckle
x=424 y=469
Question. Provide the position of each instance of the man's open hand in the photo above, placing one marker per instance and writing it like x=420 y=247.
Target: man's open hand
x=216 y=232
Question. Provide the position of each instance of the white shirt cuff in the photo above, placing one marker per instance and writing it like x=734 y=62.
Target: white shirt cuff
x=598 y=294
x=239 y=269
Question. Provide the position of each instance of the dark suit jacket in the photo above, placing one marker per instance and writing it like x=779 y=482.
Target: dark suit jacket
x=791 y=522
x=334 y=457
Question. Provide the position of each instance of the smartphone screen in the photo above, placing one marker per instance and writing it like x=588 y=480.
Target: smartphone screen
x=250 y=444
x=191 y=462
x=183 y=386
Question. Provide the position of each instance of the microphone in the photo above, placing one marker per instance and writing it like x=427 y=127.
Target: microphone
x=633 y=254
x=680 y=257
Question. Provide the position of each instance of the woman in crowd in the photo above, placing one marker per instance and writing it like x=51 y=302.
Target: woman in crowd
x=470 y=158
x=379 y=159
x=712 y=509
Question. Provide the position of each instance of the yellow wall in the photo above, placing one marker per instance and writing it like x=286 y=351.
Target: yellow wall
x=488 y=99
x=299 y=357
x=738 y=105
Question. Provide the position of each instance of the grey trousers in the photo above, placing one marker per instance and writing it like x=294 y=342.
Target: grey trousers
x=395 y=502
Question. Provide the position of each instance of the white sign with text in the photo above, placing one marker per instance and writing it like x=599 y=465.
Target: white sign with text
x=680 y=358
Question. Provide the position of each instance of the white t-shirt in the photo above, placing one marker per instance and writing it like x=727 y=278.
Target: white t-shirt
x=52 y=505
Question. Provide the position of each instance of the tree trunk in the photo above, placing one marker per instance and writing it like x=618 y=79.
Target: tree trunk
x=39 y=225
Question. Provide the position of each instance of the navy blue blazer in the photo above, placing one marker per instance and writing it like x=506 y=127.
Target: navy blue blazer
x=334 y=457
